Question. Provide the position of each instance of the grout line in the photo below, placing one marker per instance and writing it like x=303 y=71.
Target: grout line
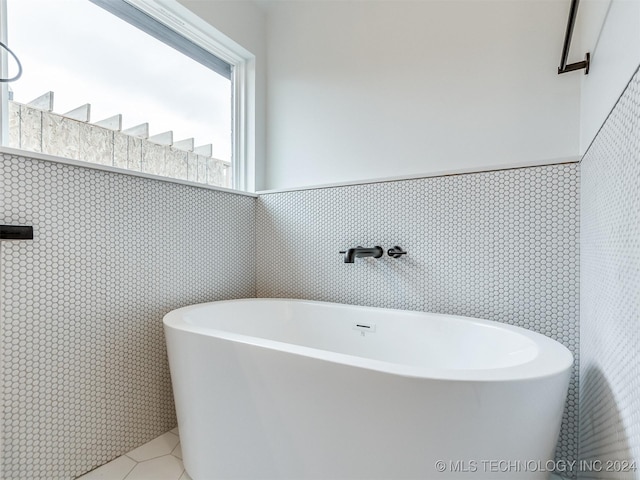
x=127 y=474
x=104 y=464
x=125 y=477
x=174 y=449
x=167 y=455
x=151 y=458
x=615 y=104
x=157 y=456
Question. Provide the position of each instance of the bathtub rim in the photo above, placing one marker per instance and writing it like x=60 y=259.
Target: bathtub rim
x=542 y=366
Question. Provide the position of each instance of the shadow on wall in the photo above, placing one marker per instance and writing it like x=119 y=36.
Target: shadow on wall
x=604 y=446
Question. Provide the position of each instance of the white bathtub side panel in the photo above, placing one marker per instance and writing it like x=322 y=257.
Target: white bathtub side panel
x=249 y=412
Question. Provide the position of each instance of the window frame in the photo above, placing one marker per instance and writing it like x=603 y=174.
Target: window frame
x=187 y=24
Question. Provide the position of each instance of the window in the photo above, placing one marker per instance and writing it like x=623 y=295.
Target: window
x=106 y=82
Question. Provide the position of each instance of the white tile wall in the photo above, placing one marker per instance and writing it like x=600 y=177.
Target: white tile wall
x=499 y=245
x=84 y=367
x=84 y=371
x=610 y=297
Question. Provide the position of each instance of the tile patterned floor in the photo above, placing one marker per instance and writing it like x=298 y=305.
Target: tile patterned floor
x=159 y=459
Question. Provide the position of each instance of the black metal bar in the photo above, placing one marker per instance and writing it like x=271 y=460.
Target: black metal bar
x=16 y=232
x=564 y=68
x=578 y=65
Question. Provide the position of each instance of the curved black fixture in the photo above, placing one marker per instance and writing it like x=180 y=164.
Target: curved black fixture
x=564 y=68
x=351 y=254
x=15 y=57
x=396 y=252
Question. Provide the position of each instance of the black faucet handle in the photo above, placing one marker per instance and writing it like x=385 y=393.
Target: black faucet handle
x=396 y=252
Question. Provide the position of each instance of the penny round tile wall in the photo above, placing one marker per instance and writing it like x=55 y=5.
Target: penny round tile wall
x=84 y=371
x=610 y=316
x=499 y=245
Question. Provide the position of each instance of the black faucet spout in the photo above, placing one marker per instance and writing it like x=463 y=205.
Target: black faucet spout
x=359 y=252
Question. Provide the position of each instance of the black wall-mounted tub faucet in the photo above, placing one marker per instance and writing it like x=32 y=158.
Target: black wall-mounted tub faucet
x=351 y=254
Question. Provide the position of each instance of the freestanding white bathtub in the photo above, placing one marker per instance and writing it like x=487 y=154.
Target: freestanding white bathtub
x=290 y=389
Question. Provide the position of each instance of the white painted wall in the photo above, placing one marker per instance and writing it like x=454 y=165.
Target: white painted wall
x=361 y=90
x=610 y=30
x=244 y=23
x=354 y=90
